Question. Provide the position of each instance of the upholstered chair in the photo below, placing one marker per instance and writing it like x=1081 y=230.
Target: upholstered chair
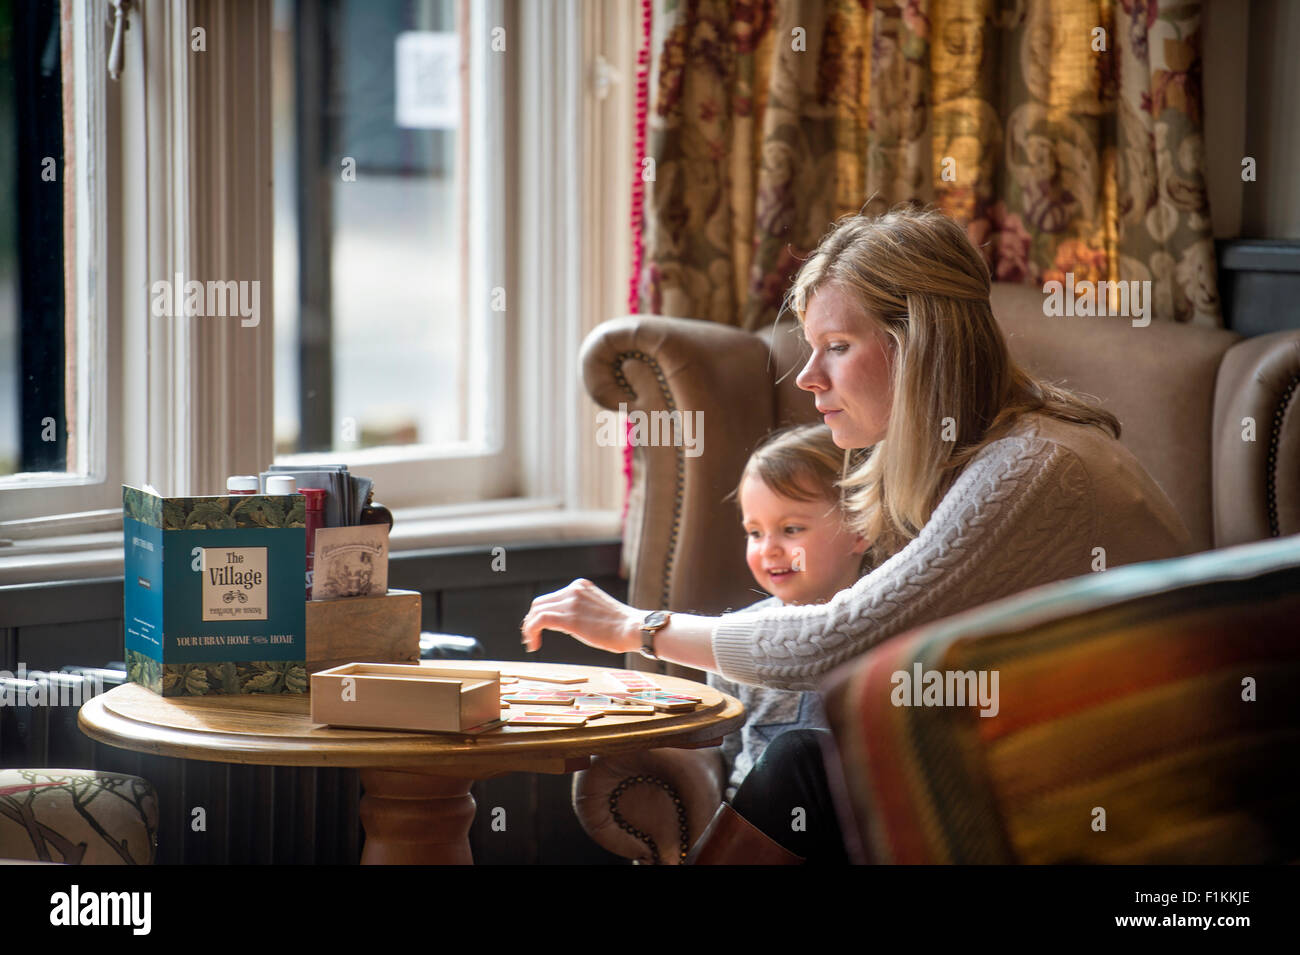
x=1213 y=417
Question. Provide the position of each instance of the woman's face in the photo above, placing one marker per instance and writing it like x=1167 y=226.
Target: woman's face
x=850 y=372
x=799 y=551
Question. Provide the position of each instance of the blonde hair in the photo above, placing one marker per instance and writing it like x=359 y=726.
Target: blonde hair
x=803 y=463
x=915 y=274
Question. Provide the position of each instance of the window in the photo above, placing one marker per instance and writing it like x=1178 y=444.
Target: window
x=390 y=344
x=462 y=238
x=57 y=396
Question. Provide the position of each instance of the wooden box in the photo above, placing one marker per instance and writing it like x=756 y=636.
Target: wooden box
x=402 y=697
x=382 y=629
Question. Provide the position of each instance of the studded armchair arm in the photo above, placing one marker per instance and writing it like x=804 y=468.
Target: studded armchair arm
x=649 y=806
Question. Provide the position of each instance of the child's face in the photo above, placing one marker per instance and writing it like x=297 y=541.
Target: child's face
x=799 y=551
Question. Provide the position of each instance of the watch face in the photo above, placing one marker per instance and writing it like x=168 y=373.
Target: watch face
x=656 y=619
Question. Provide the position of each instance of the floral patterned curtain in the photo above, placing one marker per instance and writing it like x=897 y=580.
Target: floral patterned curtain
x=1065 y=135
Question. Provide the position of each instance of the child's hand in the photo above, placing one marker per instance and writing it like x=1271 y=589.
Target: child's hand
x=586 y=613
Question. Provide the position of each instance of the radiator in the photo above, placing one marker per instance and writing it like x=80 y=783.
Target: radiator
x=252 y=814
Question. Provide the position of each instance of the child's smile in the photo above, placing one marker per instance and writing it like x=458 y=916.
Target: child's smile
x=799 y=551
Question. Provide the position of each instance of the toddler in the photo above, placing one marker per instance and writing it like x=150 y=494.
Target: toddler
x=799 y=549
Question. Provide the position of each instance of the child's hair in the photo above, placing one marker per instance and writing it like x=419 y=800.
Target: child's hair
x=801 y=462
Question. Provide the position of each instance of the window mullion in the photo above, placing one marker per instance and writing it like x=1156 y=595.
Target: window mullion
x=230 y=234
x=205 y=156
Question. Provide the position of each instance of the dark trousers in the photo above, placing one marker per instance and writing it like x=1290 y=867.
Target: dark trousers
x=786 y=795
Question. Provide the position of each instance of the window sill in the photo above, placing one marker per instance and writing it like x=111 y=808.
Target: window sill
x=497 y=523
x=492 y=523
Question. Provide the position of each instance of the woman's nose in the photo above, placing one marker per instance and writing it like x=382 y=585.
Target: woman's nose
x=810 y=379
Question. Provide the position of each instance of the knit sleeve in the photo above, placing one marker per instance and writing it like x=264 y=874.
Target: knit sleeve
x=1021 y=514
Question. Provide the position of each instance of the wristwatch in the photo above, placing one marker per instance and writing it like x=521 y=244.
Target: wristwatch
x=655 y=621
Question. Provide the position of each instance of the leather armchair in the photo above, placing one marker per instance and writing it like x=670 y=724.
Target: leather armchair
x=1212 y=416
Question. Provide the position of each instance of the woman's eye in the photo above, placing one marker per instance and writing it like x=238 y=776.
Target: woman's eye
x=792 y=529
x=838 y=349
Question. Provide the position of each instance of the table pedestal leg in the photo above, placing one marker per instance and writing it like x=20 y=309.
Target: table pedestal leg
x=415 y=819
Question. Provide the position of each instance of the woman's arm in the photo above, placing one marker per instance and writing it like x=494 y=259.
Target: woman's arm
x=590 y=615
x=1020 y=515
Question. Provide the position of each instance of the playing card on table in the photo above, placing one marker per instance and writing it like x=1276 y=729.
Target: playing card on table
x=547 y=719
x=575 y=712
x=628 y=709
x=630 y=697
x=667 y=695
x=549 y=677
x=549 y=699
x=632 y=680
x=665 y=703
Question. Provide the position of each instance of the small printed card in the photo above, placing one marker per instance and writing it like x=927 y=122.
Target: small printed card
x=350 y=562
x=549 y=699
x=547 y=719
x=234 y=583
x=633 y=680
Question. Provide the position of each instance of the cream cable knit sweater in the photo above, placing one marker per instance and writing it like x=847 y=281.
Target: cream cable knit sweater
x=1029 y=509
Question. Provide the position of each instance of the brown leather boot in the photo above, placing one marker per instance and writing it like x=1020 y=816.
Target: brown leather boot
x=731 y=839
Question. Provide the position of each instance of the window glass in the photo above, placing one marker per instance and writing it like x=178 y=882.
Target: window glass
x=371 y=347
x=33 y=426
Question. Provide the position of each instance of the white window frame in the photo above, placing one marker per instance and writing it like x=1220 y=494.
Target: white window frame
x=570 y=262
x=88 y=495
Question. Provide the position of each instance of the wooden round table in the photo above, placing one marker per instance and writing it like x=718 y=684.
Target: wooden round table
x=417 y=808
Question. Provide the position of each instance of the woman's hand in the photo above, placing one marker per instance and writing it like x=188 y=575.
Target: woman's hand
x=586 y=613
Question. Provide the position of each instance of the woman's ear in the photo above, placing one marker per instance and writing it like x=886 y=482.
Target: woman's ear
x=860 y=545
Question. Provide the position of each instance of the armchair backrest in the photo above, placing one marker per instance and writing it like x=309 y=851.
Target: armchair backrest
x=1211 y=416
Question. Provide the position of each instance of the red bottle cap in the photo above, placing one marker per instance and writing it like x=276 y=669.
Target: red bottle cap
x=315 y=497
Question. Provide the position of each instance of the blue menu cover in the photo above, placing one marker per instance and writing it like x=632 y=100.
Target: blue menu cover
x=214 y=593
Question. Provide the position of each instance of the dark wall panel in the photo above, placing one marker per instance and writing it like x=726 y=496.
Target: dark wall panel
x=85 y=643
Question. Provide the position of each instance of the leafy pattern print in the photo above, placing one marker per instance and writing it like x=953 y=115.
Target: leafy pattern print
x=772 y=118
x=214 y=513
x=204 y=679
x=144 y=670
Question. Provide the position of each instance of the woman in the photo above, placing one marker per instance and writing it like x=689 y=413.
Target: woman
x=980 y=481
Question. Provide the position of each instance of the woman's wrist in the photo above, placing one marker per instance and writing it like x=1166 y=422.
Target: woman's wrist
x=687 y=640
x=632 y=637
